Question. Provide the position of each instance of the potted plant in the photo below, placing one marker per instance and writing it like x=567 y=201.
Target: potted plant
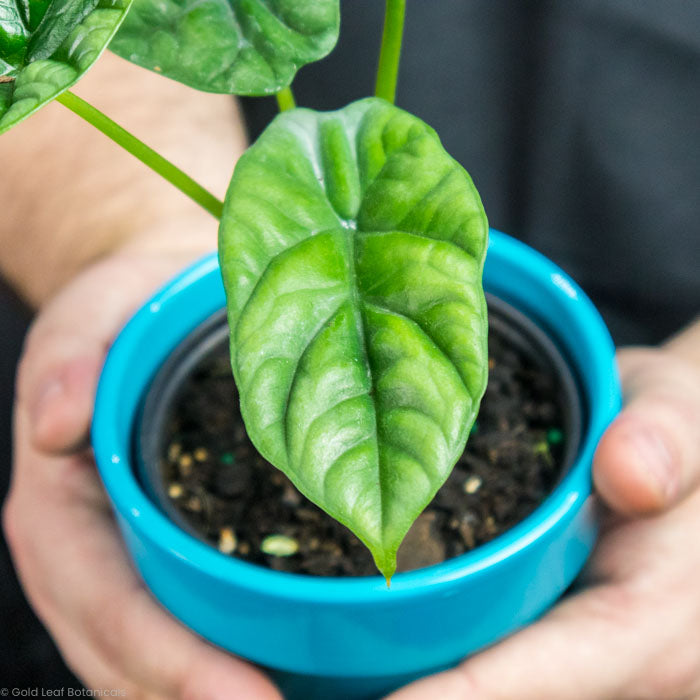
x=351 y=250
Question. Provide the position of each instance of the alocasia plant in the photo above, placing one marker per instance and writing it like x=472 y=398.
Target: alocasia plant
x=351 y=244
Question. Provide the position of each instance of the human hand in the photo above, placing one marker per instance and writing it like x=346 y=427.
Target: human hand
x=57 y=519
x=632 y=631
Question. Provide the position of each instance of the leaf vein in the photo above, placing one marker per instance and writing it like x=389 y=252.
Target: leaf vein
x=273 y=259
x=295 y=374
x=335 y=462
x=420 y=327
x=321 y=415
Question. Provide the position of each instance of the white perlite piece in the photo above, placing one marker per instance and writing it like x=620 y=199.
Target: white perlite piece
x=472 y=484
x=279 y=546
x=227 y=541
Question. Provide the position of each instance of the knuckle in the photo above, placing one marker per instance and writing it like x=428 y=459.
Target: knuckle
x=615 y=604
x=9 y=523
x=35 y=338
x=190 y=687
x=114 y=629
x=104 y=619
x=19 y=542
x=670 y=410
x=684 y=409
x=659 y=371
x=15 y=533
x=467 y=683
x=682 y=416
x=193 y=688
x=672 y=676
x=23 y=376
x=35 y=344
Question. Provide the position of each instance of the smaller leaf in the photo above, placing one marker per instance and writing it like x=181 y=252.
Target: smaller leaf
x=241 y=47
x=59 y=41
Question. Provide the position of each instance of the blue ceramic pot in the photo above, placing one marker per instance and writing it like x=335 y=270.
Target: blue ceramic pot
x=352 y=638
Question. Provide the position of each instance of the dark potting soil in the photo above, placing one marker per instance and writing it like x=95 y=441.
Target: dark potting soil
x=240 y=503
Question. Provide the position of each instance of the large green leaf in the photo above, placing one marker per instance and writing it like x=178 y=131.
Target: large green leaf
x=352 y=248
x=241 y=47
x=46 y=46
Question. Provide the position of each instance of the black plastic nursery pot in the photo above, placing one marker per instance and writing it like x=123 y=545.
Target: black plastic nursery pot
x=200 y=468
x=203 y=515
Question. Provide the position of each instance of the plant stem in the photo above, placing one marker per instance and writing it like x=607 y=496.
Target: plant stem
x=144 y=153
x=285 y=99
x=388 y=68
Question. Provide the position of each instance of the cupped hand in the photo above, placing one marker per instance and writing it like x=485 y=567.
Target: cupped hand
x=632 y=630
x=57 y=519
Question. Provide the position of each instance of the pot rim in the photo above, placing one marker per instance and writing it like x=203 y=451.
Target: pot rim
x=115 y=460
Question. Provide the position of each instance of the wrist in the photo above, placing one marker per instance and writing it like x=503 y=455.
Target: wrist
x=90 y=201
x=186 y=239
x=176 y=241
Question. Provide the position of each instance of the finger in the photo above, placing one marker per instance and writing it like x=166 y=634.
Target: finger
x=57 y=385
x=582 y=650
x=89 y=666
x=65 y=348
x=77 y=575
x=649 y=457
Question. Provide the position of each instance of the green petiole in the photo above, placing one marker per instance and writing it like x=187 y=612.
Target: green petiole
x=144 y=153
x=390 y=53
x=285 y=99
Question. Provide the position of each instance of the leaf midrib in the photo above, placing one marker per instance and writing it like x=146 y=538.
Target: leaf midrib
x=349 y=227
x=356 y=300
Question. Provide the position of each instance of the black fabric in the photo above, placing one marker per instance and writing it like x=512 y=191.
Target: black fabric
x=28 y=657
x=579 y=122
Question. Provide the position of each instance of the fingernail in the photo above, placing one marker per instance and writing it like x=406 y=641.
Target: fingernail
x=659 y=462
x=49 y=392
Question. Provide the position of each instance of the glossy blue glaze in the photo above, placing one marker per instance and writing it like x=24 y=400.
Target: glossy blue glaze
x=353 y=637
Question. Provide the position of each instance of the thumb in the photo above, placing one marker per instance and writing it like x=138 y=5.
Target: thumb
x=56 y=382
x=649 y=457
x=65 y=348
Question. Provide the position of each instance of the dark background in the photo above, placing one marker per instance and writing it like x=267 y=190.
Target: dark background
x=579 y=123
